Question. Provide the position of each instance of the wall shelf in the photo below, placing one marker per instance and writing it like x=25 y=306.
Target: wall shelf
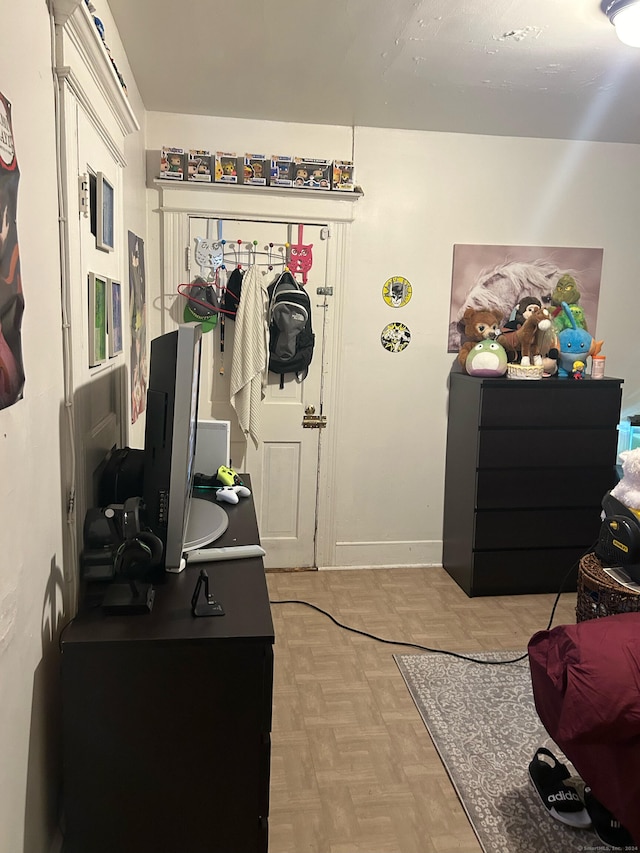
x=244 y=201
x=159 y=183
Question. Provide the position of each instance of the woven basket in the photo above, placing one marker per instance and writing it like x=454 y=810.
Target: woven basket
x=600 y=595
x=520 y=371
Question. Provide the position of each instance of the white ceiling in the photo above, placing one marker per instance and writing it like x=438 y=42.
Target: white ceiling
x=541 y=68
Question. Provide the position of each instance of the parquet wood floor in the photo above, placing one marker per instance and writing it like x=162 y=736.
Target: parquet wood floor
x=353 y=769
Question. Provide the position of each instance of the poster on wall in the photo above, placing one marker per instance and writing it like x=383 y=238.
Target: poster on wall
x=495 y=278
x=11 y=298
x=138 y=317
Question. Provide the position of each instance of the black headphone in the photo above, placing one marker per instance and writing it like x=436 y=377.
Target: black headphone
x=140 y=549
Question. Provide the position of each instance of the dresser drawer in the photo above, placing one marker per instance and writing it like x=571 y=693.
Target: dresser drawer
x=560 y=448
x=562 y=404
x=524 y=488
x=553 y=528
x=529 y=572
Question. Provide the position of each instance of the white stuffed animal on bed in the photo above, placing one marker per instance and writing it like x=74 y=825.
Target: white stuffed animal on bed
x=627 y=491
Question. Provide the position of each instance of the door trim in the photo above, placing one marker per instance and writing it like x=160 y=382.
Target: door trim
x=177 y=206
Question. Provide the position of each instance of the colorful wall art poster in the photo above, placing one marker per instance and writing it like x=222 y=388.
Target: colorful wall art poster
x=11 y=298
x=138 y=319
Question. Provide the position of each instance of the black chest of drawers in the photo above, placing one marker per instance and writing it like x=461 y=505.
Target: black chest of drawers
x=528 y=463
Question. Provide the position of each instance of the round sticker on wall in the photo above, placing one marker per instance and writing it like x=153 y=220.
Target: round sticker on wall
x=397 y=291
x=395 y=337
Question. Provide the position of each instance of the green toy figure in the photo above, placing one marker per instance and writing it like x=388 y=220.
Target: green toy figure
x=566 y=290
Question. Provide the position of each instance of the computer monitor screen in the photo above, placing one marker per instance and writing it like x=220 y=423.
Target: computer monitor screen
x=169 y=446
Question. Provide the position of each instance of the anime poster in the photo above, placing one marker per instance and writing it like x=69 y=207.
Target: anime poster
x=138 y=315
x=497 y=277
x=11 y=299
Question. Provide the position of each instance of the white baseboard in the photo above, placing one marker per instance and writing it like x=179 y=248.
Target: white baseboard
x=389 y=554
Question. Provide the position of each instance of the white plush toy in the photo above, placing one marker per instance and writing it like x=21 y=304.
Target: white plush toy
x=627 y=491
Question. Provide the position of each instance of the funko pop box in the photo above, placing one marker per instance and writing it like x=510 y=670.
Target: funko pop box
x=256 y=170
x=312 y=174
x=343 y=176
x=281 y=171
x=226 y=171
x=199 y=165
x=172 y=164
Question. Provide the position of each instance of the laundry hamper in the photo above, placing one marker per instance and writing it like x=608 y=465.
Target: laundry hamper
x=600 y=595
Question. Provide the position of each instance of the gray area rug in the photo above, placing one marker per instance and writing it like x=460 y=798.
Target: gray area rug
x=483 y=722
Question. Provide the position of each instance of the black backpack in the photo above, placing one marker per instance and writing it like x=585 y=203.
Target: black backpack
x=291 y=337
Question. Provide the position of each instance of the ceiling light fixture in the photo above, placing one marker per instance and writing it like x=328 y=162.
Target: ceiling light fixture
x=625 y=17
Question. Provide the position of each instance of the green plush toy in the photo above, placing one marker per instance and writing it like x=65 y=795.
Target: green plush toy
x=487 y=358
x=566 y=290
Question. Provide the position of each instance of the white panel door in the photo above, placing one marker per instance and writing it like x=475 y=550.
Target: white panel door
x=284 y=467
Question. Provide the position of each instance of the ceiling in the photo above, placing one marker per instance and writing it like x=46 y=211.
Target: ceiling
x=540 y=68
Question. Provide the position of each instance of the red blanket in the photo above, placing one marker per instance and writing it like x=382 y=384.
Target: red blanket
x=586 y=687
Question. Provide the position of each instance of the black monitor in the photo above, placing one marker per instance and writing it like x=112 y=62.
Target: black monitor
x=179 y=520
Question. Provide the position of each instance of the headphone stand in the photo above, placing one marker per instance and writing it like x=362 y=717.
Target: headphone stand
x=132 y=597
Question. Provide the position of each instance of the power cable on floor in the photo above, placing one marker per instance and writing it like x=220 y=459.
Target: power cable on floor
x=427 y=648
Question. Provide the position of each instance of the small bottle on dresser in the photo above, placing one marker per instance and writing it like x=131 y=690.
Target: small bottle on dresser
x=597 y=366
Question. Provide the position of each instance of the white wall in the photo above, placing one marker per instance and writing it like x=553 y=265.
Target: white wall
x=424 y=192
x=33 y=594
x=30 y=435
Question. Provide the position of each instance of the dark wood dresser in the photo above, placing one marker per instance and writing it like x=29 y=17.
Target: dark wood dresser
x=167 y=717
x=528 y=463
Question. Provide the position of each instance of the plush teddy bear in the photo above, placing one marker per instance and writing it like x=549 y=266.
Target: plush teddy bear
x=627 y=491
x=479 y=325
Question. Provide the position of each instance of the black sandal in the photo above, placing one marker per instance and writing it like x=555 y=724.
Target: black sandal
x=608 y=829
x=548 y=777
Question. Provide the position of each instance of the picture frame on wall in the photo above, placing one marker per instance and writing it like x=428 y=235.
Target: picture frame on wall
x=114 y=316
x=105 y=203
x=97 y=319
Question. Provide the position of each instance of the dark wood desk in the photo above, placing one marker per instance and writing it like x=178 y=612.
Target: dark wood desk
x=167 y=718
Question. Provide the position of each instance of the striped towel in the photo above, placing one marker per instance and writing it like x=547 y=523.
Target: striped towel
x=250 y=354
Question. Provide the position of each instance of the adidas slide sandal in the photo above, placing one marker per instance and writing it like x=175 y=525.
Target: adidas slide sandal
x=548 y=777
x=609 y=830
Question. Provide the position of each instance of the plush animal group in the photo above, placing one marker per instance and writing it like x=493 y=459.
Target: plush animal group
x=555 y=337
x=532 y=335
x=528 y=336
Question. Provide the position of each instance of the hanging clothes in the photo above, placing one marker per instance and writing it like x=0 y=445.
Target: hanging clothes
x=250 y=354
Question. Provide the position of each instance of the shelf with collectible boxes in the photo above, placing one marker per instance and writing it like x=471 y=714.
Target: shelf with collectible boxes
x=259 y=172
